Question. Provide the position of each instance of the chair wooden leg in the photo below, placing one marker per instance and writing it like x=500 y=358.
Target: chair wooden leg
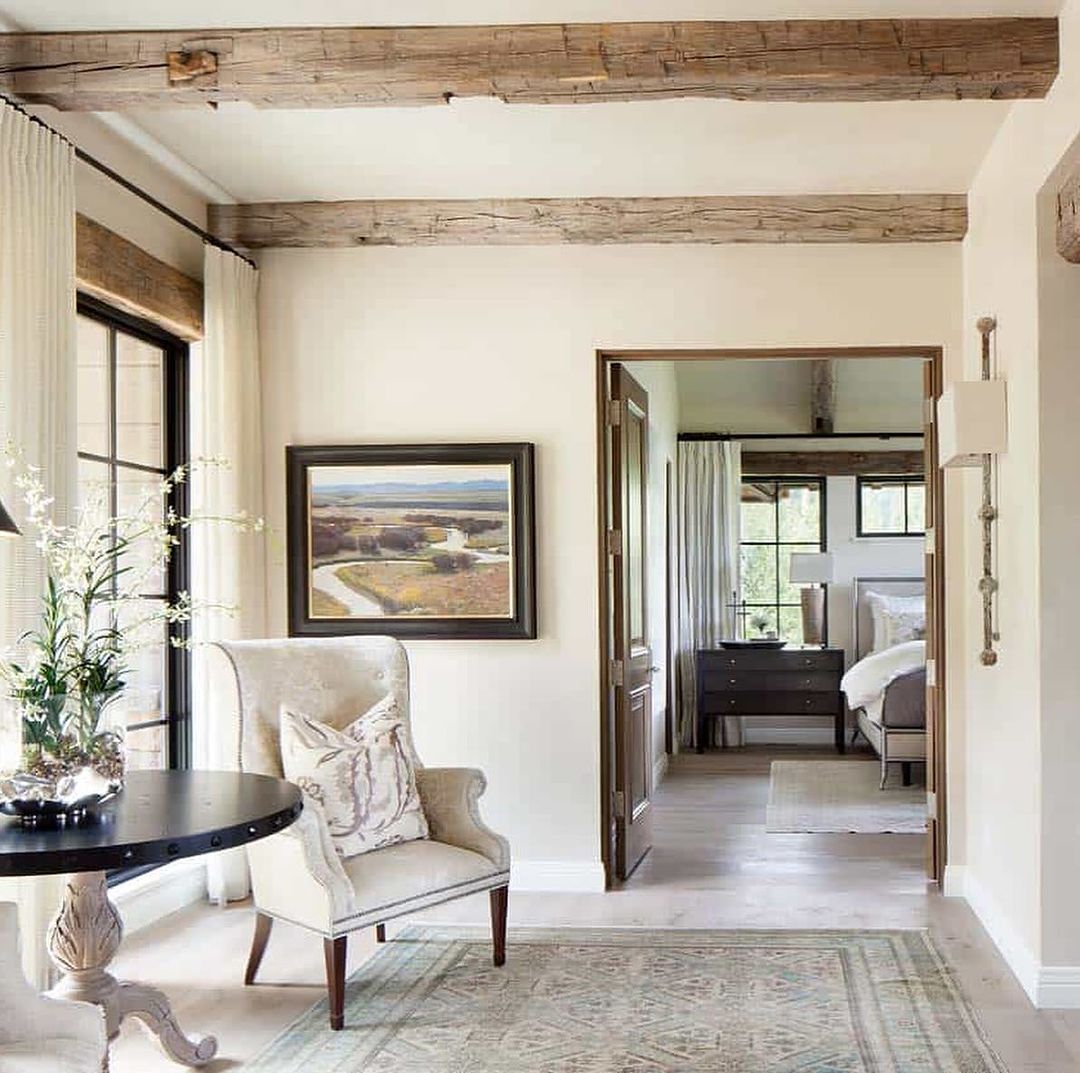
x=380 y=933
x=499 y=904
x=905 y=769
x=263 y=924
x=334 y=951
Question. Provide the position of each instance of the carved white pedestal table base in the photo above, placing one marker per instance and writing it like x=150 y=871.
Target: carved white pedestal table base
x=83 y=939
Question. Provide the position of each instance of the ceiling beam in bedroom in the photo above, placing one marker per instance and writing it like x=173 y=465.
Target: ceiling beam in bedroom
x=327 y=67
x=831 y=463
x=817 y=218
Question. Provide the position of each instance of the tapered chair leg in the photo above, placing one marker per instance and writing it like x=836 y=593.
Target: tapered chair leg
x=380 y=933
x=334 y=951
x=499 y=905
x=263 y=924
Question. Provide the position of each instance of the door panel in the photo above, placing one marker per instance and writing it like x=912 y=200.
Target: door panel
x=935 y=633
x=631 y=655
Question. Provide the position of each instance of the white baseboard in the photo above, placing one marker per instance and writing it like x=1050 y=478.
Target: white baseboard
x=660 y=770
x=1058 y=987
x=1050 y=987
x=144 y=900
x=578 y=877
x=952 y=884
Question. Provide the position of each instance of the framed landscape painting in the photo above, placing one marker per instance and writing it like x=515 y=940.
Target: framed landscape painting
x=412 y=540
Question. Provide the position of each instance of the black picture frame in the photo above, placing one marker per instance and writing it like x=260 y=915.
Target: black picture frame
x=521 y=624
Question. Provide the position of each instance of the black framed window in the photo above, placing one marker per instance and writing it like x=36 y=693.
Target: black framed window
x=890 y=506
x=132 y=431
x=780 y=516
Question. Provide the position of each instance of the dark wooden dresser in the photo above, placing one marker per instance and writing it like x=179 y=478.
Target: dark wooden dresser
x=789 y=681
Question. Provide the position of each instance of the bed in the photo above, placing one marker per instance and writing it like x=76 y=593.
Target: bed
x=886 y=686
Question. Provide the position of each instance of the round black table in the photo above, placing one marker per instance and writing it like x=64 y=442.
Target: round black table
x=161 y=816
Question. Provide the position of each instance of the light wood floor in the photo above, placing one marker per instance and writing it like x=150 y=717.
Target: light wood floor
x=712 y=866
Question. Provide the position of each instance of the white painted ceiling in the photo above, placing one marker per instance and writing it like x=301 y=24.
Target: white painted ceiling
x=477 y=148
x=773 y=396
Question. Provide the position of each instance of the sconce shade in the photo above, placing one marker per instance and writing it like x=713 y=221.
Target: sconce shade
x=811 y=568
x=7 y=526
x=972 y=422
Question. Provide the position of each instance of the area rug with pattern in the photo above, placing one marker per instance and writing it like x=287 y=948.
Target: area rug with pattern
x=817 y=796
x=645 y=1001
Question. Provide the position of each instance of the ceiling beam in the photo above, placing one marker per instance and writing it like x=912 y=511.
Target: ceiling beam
x=790 y=60
x=1068 y=218
x=831 y=463
x=598 y=220
x=117 y=271
x=822 y=396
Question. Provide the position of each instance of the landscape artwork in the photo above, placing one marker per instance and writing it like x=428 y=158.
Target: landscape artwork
x=434 y=546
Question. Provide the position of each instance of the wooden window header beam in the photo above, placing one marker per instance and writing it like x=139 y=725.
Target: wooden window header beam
x=819 y=218
x=832 y=463
x=327 y=67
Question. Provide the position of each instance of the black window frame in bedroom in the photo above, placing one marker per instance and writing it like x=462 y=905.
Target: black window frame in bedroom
x=821 y=483
x=907 y=481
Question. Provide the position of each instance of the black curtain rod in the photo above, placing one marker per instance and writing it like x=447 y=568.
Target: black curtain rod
x=130 y=187
x=690 y=437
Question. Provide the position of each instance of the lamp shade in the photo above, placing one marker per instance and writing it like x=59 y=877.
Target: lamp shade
x=811 y=568
x=7 y=526
x=972 y=422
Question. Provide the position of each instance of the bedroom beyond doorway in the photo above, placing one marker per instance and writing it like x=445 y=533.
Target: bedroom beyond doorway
x=773 y=577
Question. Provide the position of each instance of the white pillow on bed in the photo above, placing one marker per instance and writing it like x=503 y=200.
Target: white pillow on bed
x=896 y=619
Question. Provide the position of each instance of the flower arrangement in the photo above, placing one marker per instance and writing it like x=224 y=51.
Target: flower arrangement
x=95 y=618
x=760 y=622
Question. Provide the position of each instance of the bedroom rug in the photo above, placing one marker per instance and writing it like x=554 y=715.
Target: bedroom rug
x=644 y=1001
x=841 y=796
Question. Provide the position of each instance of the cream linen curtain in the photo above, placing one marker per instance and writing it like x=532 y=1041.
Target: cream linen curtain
x=709 y=476
x=37 y=410
x=227 y=564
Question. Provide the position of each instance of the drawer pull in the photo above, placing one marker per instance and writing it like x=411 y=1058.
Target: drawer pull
x=732 y=680
x=808 y=702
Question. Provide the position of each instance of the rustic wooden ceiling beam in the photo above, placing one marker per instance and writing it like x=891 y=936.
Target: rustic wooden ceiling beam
x=1068 y=218
x=822 y=396
x=598 y=220
x=117 y=271
x=831 y=463
x=790 y=60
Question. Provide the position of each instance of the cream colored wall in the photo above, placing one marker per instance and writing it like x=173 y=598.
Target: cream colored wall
x=658 y=379
x=489 y=343
x=1023 y=871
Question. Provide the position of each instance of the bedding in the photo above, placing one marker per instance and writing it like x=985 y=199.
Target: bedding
x=896 y=619
x=865 y=683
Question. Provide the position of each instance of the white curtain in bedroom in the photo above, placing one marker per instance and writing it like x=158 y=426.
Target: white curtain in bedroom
x=227 y=562
x=709 y=478
x=37 y=411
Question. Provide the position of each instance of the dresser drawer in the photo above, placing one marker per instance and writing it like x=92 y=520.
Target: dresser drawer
x=771 y=681
x=783 y=660
x=772 y=703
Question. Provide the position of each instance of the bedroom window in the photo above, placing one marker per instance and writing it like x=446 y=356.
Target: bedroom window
x=132 y=430
x=779 y=516
x=890 y=506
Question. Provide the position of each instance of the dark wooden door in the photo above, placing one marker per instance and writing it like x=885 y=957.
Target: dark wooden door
x=935 y=632
x=631 y=669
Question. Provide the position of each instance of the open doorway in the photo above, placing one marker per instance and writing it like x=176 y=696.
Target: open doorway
x=833 y=523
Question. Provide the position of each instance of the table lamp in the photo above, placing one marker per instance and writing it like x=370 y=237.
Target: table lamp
x=812 y=570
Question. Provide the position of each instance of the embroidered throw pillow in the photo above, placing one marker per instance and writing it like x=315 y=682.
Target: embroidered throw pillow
x=896 y=619
x=364 y=776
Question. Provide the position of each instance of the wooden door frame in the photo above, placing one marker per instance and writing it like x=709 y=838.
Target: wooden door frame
x=937 y=846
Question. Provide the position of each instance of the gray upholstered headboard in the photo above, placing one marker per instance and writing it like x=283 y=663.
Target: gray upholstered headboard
x=887 y=586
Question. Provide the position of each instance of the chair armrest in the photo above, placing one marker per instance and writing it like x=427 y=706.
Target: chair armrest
x=450 y=796
x=298 y=872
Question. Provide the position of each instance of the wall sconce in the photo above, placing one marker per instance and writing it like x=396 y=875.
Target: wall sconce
x=7 y=526
x=811 y=570
x=972 y=428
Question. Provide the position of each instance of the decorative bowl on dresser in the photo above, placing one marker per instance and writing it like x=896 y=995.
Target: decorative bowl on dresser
x=758 y=682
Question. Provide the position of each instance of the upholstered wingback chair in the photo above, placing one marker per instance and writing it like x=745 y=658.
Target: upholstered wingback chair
x=40 y=1034
x=296 y=875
